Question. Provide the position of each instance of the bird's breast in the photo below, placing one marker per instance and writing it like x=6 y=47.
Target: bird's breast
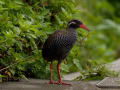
x=69 y=40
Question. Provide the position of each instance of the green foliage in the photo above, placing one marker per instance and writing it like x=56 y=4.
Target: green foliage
x=97 y=73
x=25 y=25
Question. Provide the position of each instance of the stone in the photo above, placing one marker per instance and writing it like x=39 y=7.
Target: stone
x=114 y=66
x=71 y=76
x=110 y=82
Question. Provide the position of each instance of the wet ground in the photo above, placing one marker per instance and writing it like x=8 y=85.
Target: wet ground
x=36 y=84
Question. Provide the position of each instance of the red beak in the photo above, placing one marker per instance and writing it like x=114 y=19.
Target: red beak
x=84 y=27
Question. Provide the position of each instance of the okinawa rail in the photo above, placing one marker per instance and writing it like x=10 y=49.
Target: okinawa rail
x=58 y=45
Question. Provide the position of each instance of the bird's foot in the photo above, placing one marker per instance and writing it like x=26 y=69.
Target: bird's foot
x=62 y=83
x=52 y=82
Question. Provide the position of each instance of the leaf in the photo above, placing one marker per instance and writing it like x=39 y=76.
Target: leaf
x=1 y=2
x=65 y=67
x=1 y=76
x=77 y=63
x=58 y=20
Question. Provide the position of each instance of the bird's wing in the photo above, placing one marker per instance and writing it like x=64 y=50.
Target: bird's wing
x=57 y=46
x=55 y=40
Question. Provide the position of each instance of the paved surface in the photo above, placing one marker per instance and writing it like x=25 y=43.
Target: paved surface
x=36 y=84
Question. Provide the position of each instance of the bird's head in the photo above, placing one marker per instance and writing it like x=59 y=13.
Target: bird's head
x=76 y=24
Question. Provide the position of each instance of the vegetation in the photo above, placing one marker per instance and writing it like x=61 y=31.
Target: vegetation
x=25 y=25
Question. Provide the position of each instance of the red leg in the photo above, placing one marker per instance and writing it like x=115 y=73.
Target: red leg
x=60 y=79
x=51 y=70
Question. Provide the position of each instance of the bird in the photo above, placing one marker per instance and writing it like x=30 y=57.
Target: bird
x=58 y=45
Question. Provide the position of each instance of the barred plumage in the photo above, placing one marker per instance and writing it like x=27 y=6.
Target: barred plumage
x=58 y=45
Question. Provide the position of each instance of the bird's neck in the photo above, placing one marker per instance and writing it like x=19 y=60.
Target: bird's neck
x=72 y=30
x=72 y=34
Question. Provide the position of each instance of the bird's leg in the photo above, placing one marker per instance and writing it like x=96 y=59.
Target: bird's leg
x=51 y=70
x=59 y=75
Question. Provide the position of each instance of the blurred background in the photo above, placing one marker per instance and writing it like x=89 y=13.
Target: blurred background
x=25 y=25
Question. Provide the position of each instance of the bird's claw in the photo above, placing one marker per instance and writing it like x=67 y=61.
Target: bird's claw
x=52 y=82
